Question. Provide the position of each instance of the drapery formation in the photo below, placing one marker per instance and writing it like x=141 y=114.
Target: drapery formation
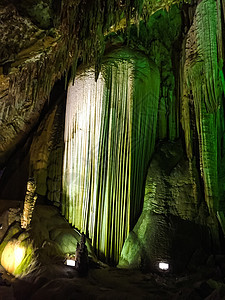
x=110 y=133
x=203 y=97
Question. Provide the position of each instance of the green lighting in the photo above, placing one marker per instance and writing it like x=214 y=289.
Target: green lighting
x=109 y=136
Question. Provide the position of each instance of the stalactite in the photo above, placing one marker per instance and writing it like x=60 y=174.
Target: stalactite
x=28 y=91
x=46 y=153
x=203 y=80
x=81 y=35
x=207 y=40
x=110 y=133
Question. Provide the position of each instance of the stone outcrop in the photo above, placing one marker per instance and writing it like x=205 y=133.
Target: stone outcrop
x=29 y=203
x=49 y=238
x=46 y=154
x=173 y=224
x=25 y=34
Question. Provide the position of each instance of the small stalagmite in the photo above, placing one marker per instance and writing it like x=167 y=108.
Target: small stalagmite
x=29 y=203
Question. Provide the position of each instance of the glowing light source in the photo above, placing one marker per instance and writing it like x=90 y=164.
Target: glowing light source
x=70 y=262
x=12 y=256
x=19 y=254
x=163 y=266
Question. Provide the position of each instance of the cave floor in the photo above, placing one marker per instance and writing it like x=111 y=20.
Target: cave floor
x=51 y=279
x=57 y=281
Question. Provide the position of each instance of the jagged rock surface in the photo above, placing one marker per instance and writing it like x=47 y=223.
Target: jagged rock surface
x=46 y=154
x=25 y=33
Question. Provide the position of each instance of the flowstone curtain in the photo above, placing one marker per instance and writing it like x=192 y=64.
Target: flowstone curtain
x=110 y=133
x=204 y=86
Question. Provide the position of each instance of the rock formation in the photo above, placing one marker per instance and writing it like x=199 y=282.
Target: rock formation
x=47 y=49
x=29 y=203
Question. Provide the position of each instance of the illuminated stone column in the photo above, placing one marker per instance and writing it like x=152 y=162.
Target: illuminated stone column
x=203 y=88
x=110 y=133
x=29 y=203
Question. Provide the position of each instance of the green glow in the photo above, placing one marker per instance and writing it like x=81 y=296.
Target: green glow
x=109 y=137
x=203 y=78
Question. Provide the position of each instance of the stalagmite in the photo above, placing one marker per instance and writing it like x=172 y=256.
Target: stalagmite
x=110 y=131
x=29 y=203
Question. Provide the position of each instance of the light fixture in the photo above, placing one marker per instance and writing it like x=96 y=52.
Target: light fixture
x=163 y=266
x=70 y=262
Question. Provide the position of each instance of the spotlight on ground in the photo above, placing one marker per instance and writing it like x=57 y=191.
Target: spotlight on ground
x=163 y=266
x=70 y=262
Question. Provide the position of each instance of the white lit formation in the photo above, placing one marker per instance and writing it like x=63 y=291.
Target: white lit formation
x=107 y=129
x=12 y=256
x=163 y=266
x=70 y=262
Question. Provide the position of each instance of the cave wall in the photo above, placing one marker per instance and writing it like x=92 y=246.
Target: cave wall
x=174 y=224
x=201 y=86
x=46 y=151
x=35 y=56
x=202 y=99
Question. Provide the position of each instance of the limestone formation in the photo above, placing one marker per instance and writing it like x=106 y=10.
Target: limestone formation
x=46 y=155
x=97 y=177
x=29 y=203
x=49 y=239
x=81 y=256
x=107 y=147
x=174 y=223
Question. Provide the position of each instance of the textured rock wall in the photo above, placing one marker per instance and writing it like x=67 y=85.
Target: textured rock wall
x=25 y=33
x=173 y=225
x=157 y=37
x=33 y=59
x=203 y=98
x=46 y=154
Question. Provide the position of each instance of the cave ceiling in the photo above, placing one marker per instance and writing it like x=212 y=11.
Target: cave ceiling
x=41 y=40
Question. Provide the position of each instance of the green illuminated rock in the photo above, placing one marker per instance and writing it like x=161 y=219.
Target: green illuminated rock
x=50 y=239
x=105 y=168
x=203 y=99
x=173 y=224
x=110 y=135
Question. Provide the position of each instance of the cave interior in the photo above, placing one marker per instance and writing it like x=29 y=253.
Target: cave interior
x=112 y=149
